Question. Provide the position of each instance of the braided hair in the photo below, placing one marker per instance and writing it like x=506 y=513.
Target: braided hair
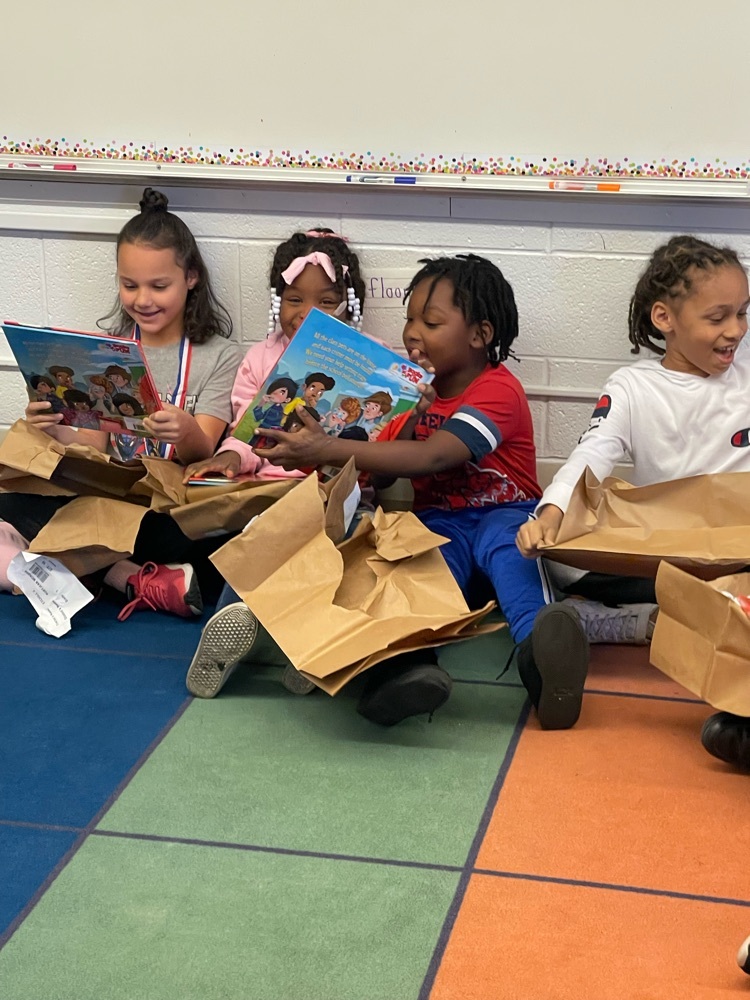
x=482 y=294
x=325 y=241
x=670 y=274
x=160 y=229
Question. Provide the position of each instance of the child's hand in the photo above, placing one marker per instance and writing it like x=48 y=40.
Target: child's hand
x=422 y=360
x=427 y=393
x=426 y=399
x=226 y=463
x=302 y=449
x=170 y=424
x=40 y=415
x=543 y=530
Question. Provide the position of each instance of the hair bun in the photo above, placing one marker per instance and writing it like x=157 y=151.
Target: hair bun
x=153 y=201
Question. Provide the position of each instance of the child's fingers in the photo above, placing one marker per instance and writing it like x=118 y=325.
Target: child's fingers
x=274 y=433
x=41 y=415
x=305 y=417
x=41 y=408
x=421 y=359
x=227 y=463
x=528 y=537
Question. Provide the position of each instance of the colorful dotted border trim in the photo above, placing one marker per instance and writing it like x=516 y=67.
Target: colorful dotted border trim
x=493 y=166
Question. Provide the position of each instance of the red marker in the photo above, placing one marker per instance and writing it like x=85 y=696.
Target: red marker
x=42 y=166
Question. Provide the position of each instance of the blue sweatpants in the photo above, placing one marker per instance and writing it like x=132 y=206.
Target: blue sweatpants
x=483 y=539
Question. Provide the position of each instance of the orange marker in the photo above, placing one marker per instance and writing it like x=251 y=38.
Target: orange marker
x=582 y=186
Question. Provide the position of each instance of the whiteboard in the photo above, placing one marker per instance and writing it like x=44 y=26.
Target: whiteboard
x=651 y=88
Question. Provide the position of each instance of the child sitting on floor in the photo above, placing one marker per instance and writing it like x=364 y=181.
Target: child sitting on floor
x=313 y=270
x=164 y=289
x=682 y=414
x=468 y=448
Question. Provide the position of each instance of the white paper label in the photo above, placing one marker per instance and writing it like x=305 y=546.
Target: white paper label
x=55 y=593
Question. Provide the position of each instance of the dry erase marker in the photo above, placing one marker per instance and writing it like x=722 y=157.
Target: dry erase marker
x=582 y=186
x=382 y=180
x=42 y=166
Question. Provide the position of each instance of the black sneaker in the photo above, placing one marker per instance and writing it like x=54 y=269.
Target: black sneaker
x=553 y=662
x=403 y=692
x=727 y=737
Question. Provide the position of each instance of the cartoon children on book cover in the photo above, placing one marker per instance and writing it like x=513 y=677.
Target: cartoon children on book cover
x=94 y=381
x=348 y=382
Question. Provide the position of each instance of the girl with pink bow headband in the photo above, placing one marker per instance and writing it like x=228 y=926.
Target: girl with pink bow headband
x=317 y=269
x=320 y=248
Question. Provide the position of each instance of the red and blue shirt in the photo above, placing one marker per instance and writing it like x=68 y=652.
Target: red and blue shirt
x=492 y=418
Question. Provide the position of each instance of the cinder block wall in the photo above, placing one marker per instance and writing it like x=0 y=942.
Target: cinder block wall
x=572 y=263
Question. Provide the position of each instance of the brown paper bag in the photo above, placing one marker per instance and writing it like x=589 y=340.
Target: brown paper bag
x=337 y=610
x=33 y=462
x=231 y=511
x=88 y=537
x=701 y=524
x=90 y=533
x=702 y=638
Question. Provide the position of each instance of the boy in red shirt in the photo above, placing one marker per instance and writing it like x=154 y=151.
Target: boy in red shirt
x=468 y=449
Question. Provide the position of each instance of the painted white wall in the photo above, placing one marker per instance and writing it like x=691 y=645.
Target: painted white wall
x=572 y=263
x=641 y=83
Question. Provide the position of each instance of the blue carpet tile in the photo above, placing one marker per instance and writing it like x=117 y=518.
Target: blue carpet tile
x=78 y=712
x=26 y=858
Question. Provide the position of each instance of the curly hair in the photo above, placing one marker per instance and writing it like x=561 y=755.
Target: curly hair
x=351 y=407
x=156 y=227
x=481 y=292
x=325 y=241
x=670 y=274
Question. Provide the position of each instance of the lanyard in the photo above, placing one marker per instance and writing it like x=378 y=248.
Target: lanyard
x=179 y=396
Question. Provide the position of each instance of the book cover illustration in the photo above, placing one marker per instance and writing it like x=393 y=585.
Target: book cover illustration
x=349 y=383
x=94 y=380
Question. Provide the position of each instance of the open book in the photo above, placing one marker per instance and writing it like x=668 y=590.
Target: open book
x=348 y=382
x=94 y=380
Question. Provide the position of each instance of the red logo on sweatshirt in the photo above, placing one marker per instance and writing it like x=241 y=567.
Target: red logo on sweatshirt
x=741 y=439
x=602 y=408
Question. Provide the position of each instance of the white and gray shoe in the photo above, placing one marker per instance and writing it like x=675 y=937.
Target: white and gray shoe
x=295 y=682
x=227 y=638
x=630 y=624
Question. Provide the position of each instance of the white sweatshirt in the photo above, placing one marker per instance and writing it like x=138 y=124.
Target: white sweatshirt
x=669 y=424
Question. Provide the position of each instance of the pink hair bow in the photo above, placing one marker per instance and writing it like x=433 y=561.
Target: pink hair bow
x=300 y=263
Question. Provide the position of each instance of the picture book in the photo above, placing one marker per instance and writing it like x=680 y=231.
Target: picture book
x=202 y=487
x=349 y=383
x=94 y=380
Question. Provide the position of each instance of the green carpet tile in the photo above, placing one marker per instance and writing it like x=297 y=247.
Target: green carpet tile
x=262 y=767
x=134 y=920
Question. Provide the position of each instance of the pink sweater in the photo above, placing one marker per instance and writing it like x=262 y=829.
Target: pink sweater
x=256 y=366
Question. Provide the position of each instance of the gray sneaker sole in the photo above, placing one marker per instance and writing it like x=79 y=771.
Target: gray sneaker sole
x=228 y=637
x=295 y=682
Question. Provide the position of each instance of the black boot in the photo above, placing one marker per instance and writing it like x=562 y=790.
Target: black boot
x=728 y=737
x=553 y=662
x=403 y=687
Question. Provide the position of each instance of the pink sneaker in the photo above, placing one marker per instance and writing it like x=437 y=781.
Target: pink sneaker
x=169 y=587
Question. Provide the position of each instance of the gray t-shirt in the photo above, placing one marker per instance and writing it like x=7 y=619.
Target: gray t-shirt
x=213 y=366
